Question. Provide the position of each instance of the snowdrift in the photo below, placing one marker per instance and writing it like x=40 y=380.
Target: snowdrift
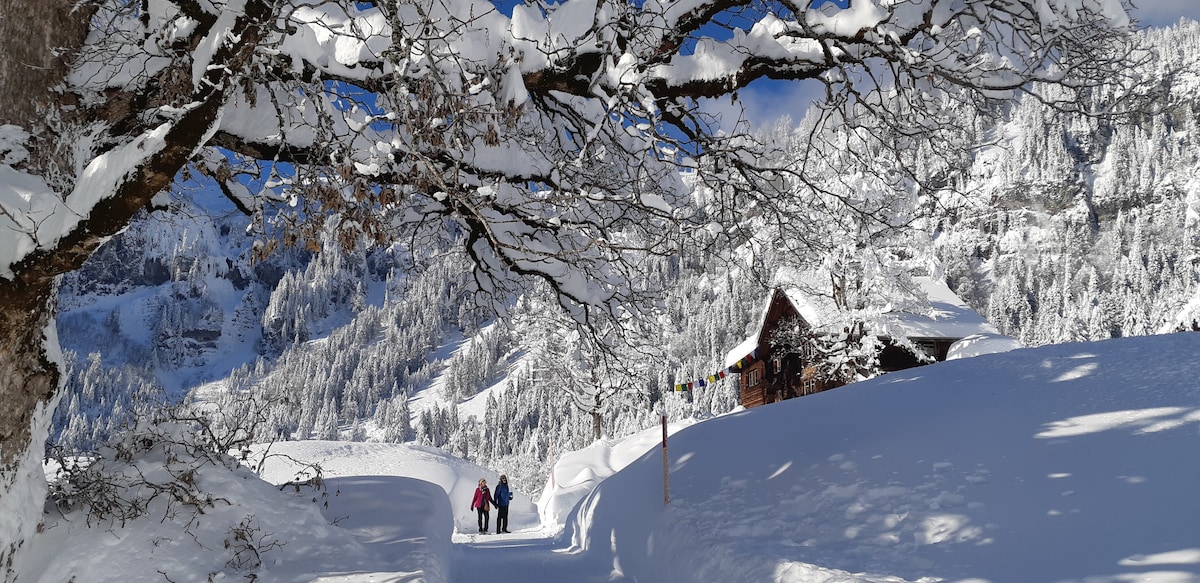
x=1064 y=463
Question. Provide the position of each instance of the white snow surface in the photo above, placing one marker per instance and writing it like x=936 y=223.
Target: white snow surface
x=1066 y=463
x=980 y=344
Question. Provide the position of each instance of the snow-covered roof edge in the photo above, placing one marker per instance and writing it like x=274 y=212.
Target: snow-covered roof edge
x=949 y=318
x=747 y=346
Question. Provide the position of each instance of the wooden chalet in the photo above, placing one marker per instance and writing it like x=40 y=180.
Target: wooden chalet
x=773 y=377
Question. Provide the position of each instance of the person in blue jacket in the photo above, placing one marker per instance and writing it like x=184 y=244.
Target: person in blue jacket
x=502 y=496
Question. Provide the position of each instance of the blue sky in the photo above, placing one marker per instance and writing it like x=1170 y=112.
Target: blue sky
x=1165 y=12
x=767 y=101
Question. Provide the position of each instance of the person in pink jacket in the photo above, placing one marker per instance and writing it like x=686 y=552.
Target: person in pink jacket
x=482 y=502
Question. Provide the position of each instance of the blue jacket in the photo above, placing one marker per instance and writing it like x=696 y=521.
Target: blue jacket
x=503 y=495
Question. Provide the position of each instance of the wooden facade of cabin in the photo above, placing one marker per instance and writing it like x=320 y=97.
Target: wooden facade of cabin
x=775 y=377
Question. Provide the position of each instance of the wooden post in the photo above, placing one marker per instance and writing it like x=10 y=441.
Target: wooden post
x=666 y=486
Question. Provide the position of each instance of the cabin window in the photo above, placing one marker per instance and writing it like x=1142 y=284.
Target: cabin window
x=807 y=351
x=753 y=376
x=810 y=386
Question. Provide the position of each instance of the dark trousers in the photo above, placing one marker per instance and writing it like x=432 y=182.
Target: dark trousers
x=501 y=519
x=483 y=519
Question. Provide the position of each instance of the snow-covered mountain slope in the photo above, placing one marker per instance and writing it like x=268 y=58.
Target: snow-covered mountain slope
x=1065 y=227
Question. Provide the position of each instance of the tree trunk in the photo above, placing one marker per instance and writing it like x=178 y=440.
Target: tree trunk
x=596 y=419
x=29 y=377
x=37 y=40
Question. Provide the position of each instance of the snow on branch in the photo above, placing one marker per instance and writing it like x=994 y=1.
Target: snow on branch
x=552 y=139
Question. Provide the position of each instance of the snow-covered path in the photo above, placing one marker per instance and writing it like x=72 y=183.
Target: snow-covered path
x=396 y=522
x=523 y=556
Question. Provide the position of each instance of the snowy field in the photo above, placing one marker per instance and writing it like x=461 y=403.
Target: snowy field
x=1066 y=464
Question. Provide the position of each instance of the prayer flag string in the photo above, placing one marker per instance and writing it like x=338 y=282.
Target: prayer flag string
x=719 y=375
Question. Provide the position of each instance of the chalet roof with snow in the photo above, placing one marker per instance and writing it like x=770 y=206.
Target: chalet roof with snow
x=948 y=317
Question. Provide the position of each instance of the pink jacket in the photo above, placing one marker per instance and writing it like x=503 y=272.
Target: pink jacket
x=482 y=498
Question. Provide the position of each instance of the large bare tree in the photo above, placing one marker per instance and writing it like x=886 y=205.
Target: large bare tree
x=551 y=141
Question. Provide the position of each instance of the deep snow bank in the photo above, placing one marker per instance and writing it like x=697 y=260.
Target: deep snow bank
x=1061 y=463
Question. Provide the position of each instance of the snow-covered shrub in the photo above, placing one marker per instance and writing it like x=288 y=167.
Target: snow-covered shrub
x=174 y=466
x=151 y=468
